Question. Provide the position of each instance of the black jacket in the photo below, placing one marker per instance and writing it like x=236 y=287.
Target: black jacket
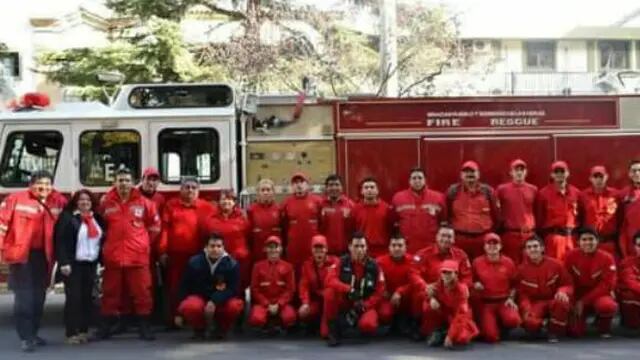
x=218 y=287
x=66 y=236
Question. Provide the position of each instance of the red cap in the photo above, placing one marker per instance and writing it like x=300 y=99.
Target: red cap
x=150 y=171
x=299 y=175
x=470 y=165
x=318 y=240
x=559 y=165
x=491 y=238
x=518 y=162
x=598 y=169
x=449 y=265
x=273 y=239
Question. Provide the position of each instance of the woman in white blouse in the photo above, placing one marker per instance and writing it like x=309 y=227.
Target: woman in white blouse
x=79 y=234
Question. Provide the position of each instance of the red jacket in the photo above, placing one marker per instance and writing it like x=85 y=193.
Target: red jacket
x=497 y=278
x=629 y=278
x=542 y=281
x=453 y=301
x=594 y=275
x=336 y=223
x=375 y=221
x=334 y=282
x=183 y=229
x=313 y=279
x=234 y=229
x=418 y=216
x=599 y=211
x=397 y=273
x=264 y=221
x=629 y=201
x=555 y=210
x=427 y=264
x=156 y=198
x=472 y=211
x=25 y=223
x=132 y=226
x=515 y=206
x=300 y=216
x=272 y=283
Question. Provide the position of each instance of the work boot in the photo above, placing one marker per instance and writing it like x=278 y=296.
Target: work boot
x=27 y=346
x=333 y=338
x=38 y=341
x=104 y=331
x=436 y=338
x=145 y=331
x=414 y=330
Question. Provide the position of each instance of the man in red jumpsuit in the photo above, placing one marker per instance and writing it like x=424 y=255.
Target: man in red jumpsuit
x=472 y=209
x=300 y=214
x=313 y=282
x=182 y=233
x=354 y=291
x=544 y=291
x=27 y=220
x=427 y=270
x=264 y=219
x=494 y=280
x=397 y=267
x=448 y=307
x=336 y=216
x=629 y=287
x=594 y=280
x=418 y=211
x=373 y=217
x=133 y=224
x=149 y=187
x=208 y=291
x=516 y=213
x=629 y=202
x=556 y=212
x=597 y=208
x=272 y=289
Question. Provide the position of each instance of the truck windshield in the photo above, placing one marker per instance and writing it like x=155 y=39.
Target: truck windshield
x=28 y=151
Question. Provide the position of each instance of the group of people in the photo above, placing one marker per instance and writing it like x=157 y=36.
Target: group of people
x=448 y=267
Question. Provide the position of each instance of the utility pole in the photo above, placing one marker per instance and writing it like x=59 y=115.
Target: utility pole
x=388 y=48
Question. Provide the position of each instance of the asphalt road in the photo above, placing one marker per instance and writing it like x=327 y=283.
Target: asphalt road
x=177 y=345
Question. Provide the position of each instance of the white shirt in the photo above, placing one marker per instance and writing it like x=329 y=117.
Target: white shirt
x=88 y=249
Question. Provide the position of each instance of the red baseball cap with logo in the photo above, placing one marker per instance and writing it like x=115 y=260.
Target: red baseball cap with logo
x=318 y=240
x=559 y=165
x=492 y=238
x=449 y=265
x=598 y=169
x=518 y=162
x=299 y=176
x=471 y=165
x=273 y=239
x=150 y=172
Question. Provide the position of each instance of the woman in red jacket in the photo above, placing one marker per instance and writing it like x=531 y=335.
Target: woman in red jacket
x=231 y=223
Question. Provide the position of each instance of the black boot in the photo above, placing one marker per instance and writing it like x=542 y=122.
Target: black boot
x=333 y=338
x=104 y=329
x=414 y=330
x=145 y=329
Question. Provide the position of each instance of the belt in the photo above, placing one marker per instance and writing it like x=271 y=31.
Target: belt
x=520 y=231
x=558 y=231
x=469 y=233
x=609 y=238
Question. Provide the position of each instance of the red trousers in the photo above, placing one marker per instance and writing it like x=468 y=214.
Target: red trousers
x=473 y=245
x=604 y=308
x=513 y=245
x=460 y=327
x=259 y=316
x=120 y=284
x=176 y=264
x=314 y=316
x=495 y=315
x=630 y=308
x=335 y=302
x=386 y=311
x=193 y=310
x=534 y=314
x=557 y=246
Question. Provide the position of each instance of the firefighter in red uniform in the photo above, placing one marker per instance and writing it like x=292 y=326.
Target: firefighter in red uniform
x=515 y=207
x=594 y=280
x=208 y=291
x=494 y=280
x=544 y=290
x=182 y=233
x=264 y=219
x=373 y=217
x=336 y=216
x=418 y=211
x=149 y=187
x=133 y=223
x=629 y=202
x=629 y=287
x=448 y=307
x=27 y=219
x=233 y=226
x=398 y=270
x=472 y=209
x=313 y=282
x=300 y=215
x=427 y=270
x=272 y=289
x=556 y=212
x=597 y=208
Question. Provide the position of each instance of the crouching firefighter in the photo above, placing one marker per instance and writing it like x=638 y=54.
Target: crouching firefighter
x=354 y=290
